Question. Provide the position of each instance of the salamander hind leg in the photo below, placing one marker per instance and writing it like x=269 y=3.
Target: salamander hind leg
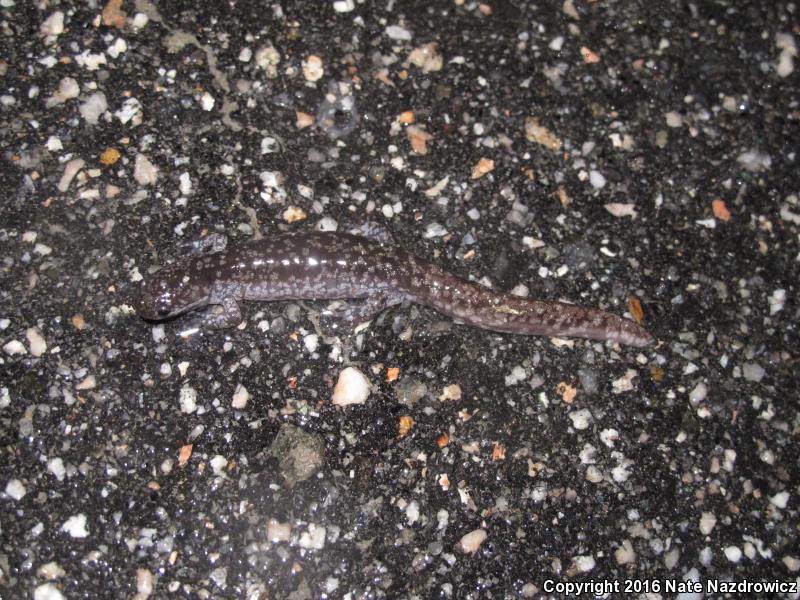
x=356 y=312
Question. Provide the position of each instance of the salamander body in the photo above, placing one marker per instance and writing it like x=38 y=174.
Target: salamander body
x=329 y=265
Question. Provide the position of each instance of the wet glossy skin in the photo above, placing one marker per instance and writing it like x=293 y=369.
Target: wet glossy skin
x=320 y=266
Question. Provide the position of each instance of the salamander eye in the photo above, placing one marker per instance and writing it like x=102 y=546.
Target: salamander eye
x=162 y=311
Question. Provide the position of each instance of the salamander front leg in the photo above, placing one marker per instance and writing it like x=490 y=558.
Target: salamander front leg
x=217 y=316
x=210 y=244
x=374 y=231
x=224 y=315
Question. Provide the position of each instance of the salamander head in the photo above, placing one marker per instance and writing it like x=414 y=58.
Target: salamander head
x=168 y=293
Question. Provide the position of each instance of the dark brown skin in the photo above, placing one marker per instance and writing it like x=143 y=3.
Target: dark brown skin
x=327 y=265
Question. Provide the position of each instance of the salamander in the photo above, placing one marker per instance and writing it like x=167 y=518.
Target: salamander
x=372 y=274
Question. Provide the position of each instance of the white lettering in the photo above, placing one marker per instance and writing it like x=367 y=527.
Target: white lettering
x=682 y=587
x=572 y=589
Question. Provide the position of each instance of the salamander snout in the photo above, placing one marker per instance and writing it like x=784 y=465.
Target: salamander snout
x=171 y=291
x=157 y=298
